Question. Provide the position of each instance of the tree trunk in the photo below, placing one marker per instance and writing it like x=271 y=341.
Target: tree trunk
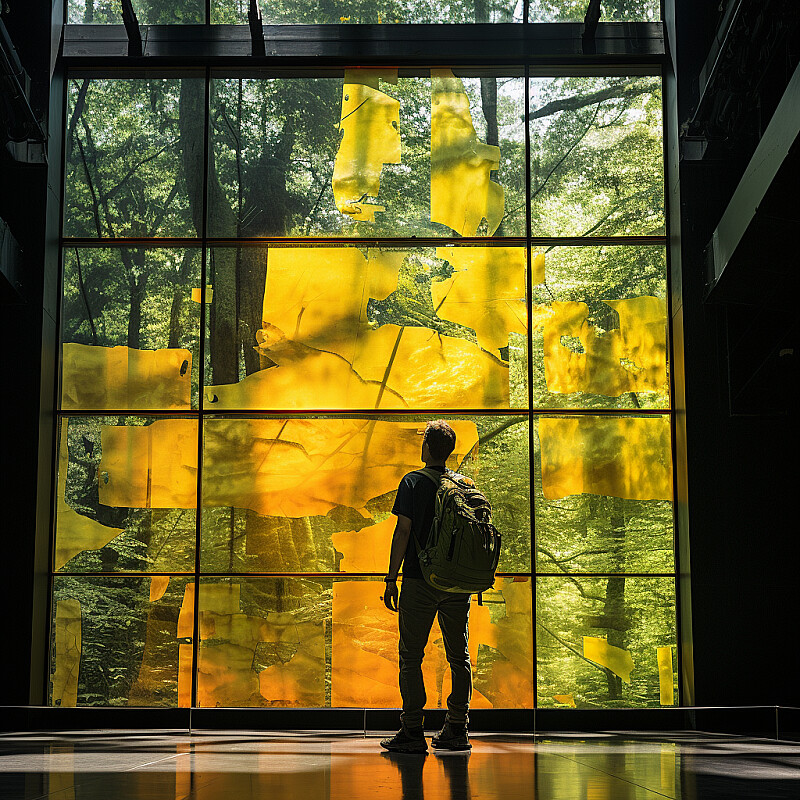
x=489 y=106
x=177 y=299
x=266 y=213
x=614 y=612
x=224 y=366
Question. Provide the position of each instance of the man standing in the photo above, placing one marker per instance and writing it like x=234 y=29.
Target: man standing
x=419 y=603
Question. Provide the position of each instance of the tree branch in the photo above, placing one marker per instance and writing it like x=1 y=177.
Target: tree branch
x=569 y=647
x=621 y=91
x=567 y=154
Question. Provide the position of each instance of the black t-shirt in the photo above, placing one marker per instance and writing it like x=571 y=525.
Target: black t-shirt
x=415 y=499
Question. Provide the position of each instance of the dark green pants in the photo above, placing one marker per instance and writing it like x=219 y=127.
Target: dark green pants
x=419 y=604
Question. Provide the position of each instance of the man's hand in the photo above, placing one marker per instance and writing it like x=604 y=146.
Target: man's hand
x=390 y=595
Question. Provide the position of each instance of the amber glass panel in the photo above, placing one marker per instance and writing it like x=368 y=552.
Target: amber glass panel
x=364 y=665
x=263 y=642
x=346 y=328
x=117 y=642
x=603 y=494
x=134 y=158
x=599 y=337
x=598 y=641
x=355 y=156
x=315 y=495
x=126 y=495
x=130 y=350
x=596 y=156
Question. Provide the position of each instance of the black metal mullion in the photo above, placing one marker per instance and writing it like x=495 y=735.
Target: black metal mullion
x=665 y=120
x=57 y=420
x=382 y=241
x=348 y=575
x=200 y=393
x=529 y=342
x=347 y=413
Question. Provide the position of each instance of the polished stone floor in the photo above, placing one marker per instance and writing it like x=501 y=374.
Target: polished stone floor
x=243 y=765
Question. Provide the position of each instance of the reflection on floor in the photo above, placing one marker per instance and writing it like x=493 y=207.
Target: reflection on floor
x=231 y=765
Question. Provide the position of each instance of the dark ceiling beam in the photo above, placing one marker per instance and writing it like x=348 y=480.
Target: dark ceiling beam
x=724 y=252
x=630 y=43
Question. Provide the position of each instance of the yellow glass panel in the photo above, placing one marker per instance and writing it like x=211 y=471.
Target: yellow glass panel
x=197 y=295
x=485 y=293
x=620 y=457
x=153 y=466
x=632 y=358
x=619 y=661
x=323 y=292
x=366 y=550
x=365 y=650
x=305 y=467
x=510 y=682
x=370 y=138
x=462 y=194
x=157 y=673
x=122 y=378
x=665 y=676
x=226 y=672
x=537 y=269
x=391 y=367
x=67 y=653
x=565 y=699
x=74 y=532
x=158 y=586
x=185 y=649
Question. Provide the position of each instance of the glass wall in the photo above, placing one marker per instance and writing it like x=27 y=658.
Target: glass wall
x=283 y=12
x=270 y=284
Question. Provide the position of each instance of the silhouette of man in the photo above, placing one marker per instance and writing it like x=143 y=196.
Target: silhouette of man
x=419 y=603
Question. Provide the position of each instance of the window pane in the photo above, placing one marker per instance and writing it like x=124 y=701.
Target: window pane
x=148 y=12
x=607 y=642
x=315 y=495
x=603 y=494
x=130 y=324
x=611 y=10
x=281 y=12
x=354 y=157
x=350 y=328
x=364 y=660
x=596 y=156
x=263 y=642
x=121 y=642
x=600 y=328
x=134 y=157
x=126 y=495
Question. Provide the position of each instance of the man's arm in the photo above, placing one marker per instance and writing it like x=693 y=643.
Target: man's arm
x=402 y=532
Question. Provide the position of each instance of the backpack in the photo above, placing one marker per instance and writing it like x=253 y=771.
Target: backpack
x=463 y=545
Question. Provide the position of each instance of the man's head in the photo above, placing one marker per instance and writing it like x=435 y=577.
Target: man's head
x=439 y=441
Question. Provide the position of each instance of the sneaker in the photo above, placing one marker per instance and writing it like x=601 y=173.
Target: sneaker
x=407 y=741
x=452 y=737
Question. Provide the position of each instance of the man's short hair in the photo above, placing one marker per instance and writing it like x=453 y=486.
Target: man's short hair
x=440 y=438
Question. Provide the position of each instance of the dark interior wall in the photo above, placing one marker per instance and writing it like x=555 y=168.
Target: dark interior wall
x=741 y=450
x=28 y=192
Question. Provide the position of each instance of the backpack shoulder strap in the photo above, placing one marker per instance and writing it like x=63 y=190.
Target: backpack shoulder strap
x=430 y=474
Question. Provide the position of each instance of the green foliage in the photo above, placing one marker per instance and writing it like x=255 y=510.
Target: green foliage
x=567 y=609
